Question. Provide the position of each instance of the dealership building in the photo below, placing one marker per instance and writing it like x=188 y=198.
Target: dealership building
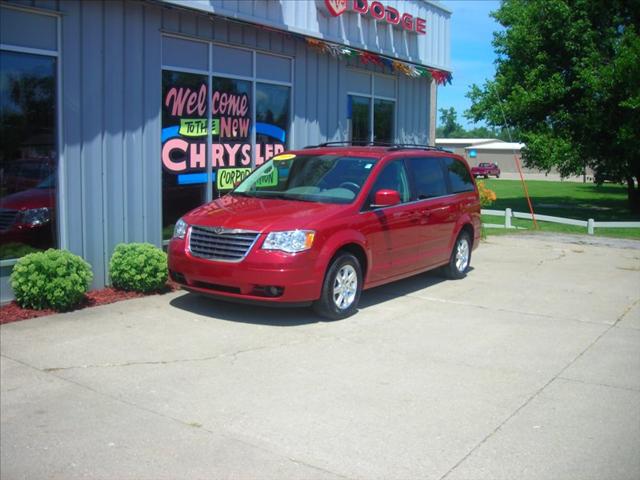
x=119 y=116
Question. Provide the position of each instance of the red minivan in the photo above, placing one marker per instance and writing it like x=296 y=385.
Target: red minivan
x=319 y=225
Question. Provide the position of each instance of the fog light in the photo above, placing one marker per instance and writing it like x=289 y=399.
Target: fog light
x=275 y=291
x=177 y=277
x=271 y=291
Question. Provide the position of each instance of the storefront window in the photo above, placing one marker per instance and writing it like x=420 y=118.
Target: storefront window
x=360 y=120
x=184 y=145
x=231 y=112
x=383 y=119
x=188 y=107
x=28 y=157
x=272 y=120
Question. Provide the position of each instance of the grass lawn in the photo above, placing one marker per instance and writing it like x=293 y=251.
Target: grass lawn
x=580 y=201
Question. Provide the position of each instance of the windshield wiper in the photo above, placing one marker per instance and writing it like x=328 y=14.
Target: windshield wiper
x=277 y=196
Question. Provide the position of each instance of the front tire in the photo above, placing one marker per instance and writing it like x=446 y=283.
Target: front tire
x=460 y=257
x=341 y=288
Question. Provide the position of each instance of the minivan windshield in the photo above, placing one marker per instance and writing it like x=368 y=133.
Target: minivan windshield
x=311 y=178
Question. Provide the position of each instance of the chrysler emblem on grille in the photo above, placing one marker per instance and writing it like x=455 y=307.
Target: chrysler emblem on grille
x=218 y=230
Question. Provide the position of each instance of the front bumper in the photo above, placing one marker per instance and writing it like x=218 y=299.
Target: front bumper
x=262 y=277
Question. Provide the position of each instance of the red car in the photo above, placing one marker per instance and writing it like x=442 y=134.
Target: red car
x=28 y=217
x=317 y=226
x=486 y=169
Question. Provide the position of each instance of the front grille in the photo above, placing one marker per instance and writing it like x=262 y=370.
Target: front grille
x=225 y=245
x=7 y=217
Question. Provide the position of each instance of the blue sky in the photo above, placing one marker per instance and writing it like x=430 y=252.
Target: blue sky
x=471 y=52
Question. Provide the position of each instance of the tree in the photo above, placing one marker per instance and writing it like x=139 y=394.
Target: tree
x=567 y=79
x=450 y=126
x=452 y=129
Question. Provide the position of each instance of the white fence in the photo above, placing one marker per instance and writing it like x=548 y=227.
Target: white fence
x=590 y=224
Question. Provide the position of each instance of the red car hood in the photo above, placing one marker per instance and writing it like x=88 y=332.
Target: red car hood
x=32 y=198
x=262 y=215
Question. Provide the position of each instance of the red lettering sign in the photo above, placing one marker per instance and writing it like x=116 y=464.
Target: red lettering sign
x=379 y=12
x=336 y=7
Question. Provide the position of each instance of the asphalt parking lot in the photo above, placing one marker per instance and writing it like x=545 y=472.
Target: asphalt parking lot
x=527 y=369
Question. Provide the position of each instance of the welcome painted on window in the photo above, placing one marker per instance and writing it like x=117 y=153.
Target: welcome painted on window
x=184 y=133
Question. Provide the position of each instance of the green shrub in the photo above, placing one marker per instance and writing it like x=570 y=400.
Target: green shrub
x=15 y=250
x=138 y=266
x=52 y=279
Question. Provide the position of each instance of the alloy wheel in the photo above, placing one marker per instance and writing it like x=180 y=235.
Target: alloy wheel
x=462 y=254
x=345 y=287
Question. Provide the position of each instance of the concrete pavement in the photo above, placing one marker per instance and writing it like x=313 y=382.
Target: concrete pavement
x=529 y=368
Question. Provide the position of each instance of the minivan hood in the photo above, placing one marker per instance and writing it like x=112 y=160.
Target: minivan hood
x=262 y=215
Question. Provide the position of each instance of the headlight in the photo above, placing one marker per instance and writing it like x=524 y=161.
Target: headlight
x=35 y=216
x=291 y=241
x=180 y=230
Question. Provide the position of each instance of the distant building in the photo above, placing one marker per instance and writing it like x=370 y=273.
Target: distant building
x=479 y=150
x=458 y=145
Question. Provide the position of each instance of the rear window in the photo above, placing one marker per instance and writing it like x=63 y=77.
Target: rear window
x=459 y=176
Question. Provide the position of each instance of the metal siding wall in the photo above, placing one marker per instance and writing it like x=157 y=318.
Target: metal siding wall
x=111 y=127
x=152 y=92
x=413 y=110
x=114 y=168
x=92 y=98
x=72 y=125
x=133 y=123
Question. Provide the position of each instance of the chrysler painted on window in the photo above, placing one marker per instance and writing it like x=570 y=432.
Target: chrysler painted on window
x=317 y=226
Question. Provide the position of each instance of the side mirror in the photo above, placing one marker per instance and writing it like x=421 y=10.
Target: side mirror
x=386 y=198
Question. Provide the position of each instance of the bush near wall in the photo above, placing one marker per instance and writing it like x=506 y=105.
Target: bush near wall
x=55 y=279
x=140 y=267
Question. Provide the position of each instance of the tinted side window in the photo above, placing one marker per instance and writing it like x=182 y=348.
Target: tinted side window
x=392 y=177
x=428 y=177
x=458 y=176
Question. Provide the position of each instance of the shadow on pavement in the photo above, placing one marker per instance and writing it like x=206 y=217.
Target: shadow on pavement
x=238 y=312
x=400 y=288
x=291 y=317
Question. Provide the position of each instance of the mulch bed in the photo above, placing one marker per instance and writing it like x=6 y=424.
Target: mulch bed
x=12 y=312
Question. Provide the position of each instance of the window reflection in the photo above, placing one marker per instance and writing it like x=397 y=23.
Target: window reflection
x=360 y=131
x=184 y=141
x=383 y=120
x=28 y=158
x=272 y=120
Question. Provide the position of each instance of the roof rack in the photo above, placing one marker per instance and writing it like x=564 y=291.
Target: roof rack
x=350 y=143
x=414 y=146
x=391 y=146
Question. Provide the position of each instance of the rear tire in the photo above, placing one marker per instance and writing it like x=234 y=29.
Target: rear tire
x=341 y=288
x=460 y=258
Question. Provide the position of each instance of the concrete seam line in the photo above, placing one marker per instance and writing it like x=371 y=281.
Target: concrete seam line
x=504 y=310
x=529 y=400
x=226 y=433
x=617 y=387
x=626 y=311
x=231 y=355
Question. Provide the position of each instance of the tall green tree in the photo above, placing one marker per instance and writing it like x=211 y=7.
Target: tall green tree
x=450 y=128
x=568 y=79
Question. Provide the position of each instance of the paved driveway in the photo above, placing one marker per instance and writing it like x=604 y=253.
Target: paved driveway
x=527 y=369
